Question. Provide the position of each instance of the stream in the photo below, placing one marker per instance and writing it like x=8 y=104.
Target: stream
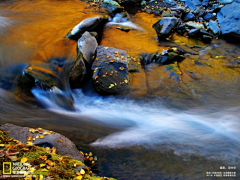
x=144 y=135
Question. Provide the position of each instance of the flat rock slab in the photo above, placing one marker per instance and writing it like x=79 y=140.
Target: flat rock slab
x=63 y=145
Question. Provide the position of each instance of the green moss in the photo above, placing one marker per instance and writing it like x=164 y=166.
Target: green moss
x=45 y=162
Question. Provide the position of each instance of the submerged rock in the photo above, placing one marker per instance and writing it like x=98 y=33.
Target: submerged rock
x=165 y=26
x=110 y=68
x=89 y=24
x=50 y=139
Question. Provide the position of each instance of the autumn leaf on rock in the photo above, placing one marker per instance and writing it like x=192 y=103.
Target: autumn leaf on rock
x=41 y=136
x=29 y=138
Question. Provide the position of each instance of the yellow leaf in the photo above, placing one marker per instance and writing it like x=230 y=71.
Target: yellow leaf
x=31 y=130
x=42 y=165
x=53 y=150
x=44 y=170
x=37 y=137
x=90 y=153
x=50 y=132
x=48 y=149
x=93 y=162
x=29 y=138
x=121 y=68
x=39 y=129
x=25 y=149
x=23 y=160
x=79 y=177
x=78 y=173
x=41 y=136
x=48 y=167
x=31 y=169
x=2 y=145
x=34 y=139
x=46 y=133
x=82 y=171
x=29 y=143
x=41 y=177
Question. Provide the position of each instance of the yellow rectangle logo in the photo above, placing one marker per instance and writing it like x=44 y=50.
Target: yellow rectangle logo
x=7 y=168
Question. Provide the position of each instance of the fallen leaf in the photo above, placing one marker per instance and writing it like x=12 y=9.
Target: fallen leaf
x=41 y=177
x=42 y=165
x=46 y=133
x=34 y=139
x=13 y=158
x=54 y=150
x=79 y=177
x=90 y=154
x=42 y=157
x=122 y=57
x=29 y=143
x=31 y=130
x=37 y=137
x=48 y=149
x=29 y=138
x=125 y=80
x=82 y=171
x=39 y=129
x=48 y=167
x=2 y=145
x=44 y=170
x=60 y=140
x=78 y=173
x=23 y=160
x=25 y=149
x=50 y=132
x=121 y=68
x=111 y=85
x=91 y=158
x=41 y=136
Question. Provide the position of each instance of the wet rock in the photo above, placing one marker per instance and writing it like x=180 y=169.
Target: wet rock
x=195 y=25
x=193 y=32
x=121 y=17
x=110 y=4
x=225 y=1
x=87 y=46
x=62 y=144
x=189 y=16
x=205 y=2
x=200 y=11
x=89 y=24
x=165 y=26
x=209 y=16
x=80 y=68
x=171 y=2
x=213 y=25
x=228 y=18
x=110 y=71
x=190 y=5
x=77 y=72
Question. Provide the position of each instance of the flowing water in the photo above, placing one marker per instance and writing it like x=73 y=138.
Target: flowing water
x=143 y=136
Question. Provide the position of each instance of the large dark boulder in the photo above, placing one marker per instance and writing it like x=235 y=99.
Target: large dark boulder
x=165 y=26
x=110 y=68
x=43 y=138
x=228 y=18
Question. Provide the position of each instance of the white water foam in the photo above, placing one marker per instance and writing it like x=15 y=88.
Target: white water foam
x=145 y=124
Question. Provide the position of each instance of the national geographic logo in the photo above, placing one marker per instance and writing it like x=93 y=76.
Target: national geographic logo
x=7 y=168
